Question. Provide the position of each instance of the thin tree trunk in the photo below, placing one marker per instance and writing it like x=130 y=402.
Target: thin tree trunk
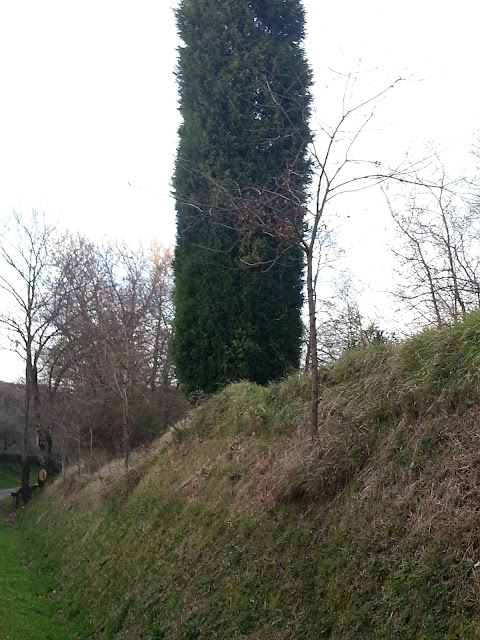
x=79 y=452
x=62 y=453
x=41 y=434
x=25 y=461
x=306 y=366
x=312 y=334
x=51 y=423
x=90 y=444
x=126 y=436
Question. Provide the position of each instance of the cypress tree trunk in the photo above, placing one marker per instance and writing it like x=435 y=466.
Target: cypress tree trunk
x=244 y=98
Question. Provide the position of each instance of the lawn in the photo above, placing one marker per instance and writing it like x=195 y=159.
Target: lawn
x=28 y=606
x=10 y=471
x=11 y=480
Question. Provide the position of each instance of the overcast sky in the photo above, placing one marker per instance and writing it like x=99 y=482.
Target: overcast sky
x=88 y=109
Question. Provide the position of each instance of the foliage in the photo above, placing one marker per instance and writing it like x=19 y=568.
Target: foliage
x=244 y=97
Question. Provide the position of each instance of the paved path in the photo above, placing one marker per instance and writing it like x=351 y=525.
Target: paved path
x=6 y=493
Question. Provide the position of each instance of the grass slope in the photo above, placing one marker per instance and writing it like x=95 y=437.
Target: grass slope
x=235 y=526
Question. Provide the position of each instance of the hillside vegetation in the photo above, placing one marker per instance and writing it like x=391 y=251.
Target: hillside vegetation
x=235 y=526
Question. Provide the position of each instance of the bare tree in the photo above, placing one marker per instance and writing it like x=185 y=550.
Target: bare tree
x=93 y=325
x=129 y=300
x=25 y=251
x=342 y=325
x=112 y=354
x=439 y=262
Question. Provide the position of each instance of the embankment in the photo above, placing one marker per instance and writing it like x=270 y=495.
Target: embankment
x=236 y=526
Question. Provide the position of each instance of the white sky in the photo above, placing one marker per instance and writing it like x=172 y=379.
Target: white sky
x=89 y=104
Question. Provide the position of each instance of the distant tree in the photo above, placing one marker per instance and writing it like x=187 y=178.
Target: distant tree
x=245 y=101
x=111 y=356
x=340 y=323
x=438 y=277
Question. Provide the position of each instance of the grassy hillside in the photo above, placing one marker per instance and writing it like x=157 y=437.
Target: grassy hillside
x=235 y=526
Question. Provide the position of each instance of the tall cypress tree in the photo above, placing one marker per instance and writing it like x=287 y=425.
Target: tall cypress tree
x=244 y=88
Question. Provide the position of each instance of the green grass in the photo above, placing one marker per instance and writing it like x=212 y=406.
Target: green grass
x=28 y=604
x=238 y=527
x=11 y=471
x=13 y=480
x=9 y=482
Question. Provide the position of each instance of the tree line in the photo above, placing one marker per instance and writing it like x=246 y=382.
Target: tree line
x=93 y=325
